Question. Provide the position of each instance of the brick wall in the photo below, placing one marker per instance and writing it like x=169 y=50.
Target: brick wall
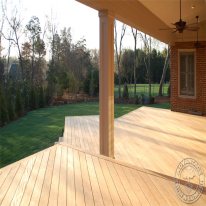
x=189 y=105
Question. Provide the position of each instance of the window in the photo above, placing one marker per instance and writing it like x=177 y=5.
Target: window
x=187 y=73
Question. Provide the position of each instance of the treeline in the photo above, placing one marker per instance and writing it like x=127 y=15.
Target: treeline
x=31 y=82
x=72 y=68
x=22 y=85
x=157 y=60
x=35 y=77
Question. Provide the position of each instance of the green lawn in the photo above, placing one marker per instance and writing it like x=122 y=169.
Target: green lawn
x=41 y=128
x=142 y=89
x=162 y=105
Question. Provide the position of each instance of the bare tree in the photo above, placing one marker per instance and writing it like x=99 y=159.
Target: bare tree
x=52 y=28
x=164 y=71
x=135 y=34
x=3 y=9
x=34 y=29
x=9 y=51
x=15 y=26
x=147 y=59
x=1 y=27
x=118 y=53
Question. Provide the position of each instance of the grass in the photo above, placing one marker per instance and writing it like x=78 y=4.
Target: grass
x=142 y=89
x=39 y=129
x=162 y=105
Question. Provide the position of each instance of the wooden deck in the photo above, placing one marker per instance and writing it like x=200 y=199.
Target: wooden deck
x=64 y=176
x=154 y=139
x=149 y=143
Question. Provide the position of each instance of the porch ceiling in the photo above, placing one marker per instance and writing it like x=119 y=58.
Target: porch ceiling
x=149 y=16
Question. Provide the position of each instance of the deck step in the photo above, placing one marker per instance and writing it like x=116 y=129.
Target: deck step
x=61 y=139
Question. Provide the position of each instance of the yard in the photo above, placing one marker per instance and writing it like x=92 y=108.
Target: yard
x=143 y=89
x=39 y=129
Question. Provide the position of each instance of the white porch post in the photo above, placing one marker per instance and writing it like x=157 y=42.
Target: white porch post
x=106 y=81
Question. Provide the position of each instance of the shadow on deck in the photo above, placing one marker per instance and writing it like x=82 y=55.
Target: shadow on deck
x=149 y=144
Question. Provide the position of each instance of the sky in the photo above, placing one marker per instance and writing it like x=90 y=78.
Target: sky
x=84 y=21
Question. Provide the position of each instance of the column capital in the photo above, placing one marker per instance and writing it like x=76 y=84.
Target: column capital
x=103 y=13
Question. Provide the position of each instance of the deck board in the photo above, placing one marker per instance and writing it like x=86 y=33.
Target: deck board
x=149 y=143
x=62 y=175
x=143 y=135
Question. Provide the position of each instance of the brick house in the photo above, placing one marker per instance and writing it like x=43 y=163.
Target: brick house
x=188 y=90
x=188 y=59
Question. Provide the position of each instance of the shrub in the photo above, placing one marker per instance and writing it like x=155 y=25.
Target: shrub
x=169 y=91
x=11 y=107
x=26 y=97
x=137 y=99
x=152 y=100
x=41 y=98
x=19 y=104
x=142 y=99
x=91 y=83
x=33 y=99
x=3 y=109
x=125 y=91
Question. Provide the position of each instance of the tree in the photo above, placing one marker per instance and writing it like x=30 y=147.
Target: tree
x=118 y=53
x=166 y=64
x=41 y=97
x=34 y=29
x=40 y=63
x=125 y=91
x=52 y=36
x=26 y=56
x=147 y=60
x=19 y=103
x=15 y=26
x=33 y=99
x=1 y=29
x=127 y=63
x=3 y=108
x=135 y=33
x=1 y=71
x=10 y=106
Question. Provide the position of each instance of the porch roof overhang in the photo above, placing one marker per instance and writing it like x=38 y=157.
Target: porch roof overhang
x=150 y=16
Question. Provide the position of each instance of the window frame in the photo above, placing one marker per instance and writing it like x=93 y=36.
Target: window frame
x=179 y=93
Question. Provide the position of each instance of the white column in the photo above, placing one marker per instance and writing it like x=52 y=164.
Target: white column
x=106 y=81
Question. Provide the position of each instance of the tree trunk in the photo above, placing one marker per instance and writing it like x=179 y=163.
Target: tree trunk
x=119 y=54
x=164 y=72
x=134 y=32
x=19 y=52
x=149 y=69
x=119 y=85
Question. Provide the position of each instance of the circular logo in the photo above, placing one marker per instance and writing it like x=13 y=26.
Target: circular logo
x=189 y=180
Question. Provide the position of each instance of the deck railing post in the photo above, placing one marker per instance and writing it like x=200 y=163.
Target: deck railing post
x=106 y=82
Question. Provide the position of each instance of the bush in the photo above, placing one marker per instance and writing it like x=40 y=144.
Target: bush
x=41 y=98
x=91 y=83
x=137 y=99
x=169 y=91
x=11 y=107
x=19 y=104
x=33 y=99
x=73 y=83
x=3 y=109
x=142 y=99
x=125 y=91
x=152 y=100
x=26 y=97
